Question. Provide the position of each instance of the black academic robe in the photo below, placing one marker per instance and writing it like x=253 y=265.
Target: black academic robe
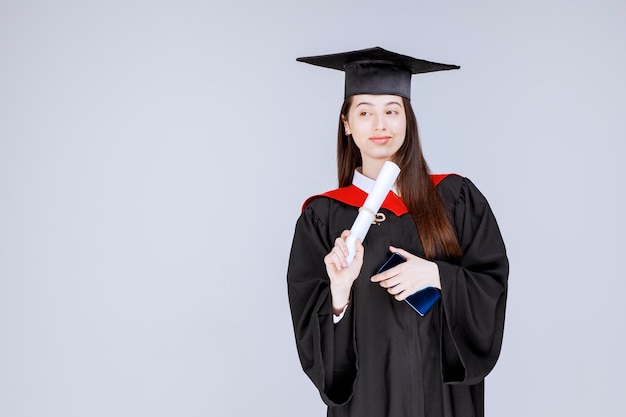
x=383 y=359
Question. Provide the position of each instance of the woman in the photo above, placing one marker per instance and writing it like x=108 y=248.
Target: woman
x=368 y=352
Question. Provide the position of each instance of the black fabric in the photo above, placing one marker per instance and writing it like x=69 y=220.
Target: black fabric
x=373 y=78
x=382 y=358
x=376 y=70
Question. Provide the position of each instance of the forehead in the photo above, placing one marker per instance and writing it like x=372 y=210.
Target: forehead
x=376 y=100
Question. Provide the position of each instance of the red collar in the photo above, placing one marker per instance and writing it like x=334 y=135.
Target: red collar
x=355 y=197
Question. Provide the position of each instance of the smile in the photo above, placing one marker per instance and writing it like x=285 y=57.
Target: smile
x=381 y=140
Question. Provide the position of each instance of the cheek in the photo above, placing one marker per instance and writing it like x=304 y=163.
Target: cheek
x=400 y=142
x=401 y=130
x=356 y=123
x=359 y=129
x=400 y=125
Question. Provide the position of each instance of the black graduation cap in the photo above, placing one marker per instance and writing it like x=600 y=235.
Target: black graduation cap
x=376 y=70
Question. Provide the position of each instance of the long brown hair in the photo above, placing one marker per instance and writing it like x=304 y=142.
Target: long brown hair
x=413 y=183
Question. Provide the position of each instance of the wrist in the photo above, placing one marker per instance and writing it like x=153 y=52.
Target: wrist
x=340 y=297
x=338 y=311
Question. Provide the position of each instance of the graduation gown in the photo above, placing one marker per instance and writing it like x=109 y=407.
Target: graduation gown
x=382 y=359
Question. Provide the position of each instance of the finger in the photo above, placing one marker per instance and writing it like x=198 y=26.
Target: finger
x=402 y=296
x=358 y=247
x=400 y=291
x=379 y=277
x=397 y=290
x=329 y=261
x=341 y=244
x=335 y=260
x=391 y=282
x=359 y=252
x=340 y=257
x=402 y=252
x=385 y=275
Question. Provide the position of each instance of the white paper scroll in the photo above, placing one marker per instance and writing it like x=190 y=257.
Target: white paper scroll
x=367 y=213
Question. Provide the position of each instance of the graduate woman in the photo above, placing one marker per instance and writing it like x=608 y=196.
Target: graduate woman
x=360 y=340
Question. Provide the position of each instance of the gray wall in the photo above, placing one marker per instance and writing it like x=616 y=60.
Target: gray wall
x=154 y=156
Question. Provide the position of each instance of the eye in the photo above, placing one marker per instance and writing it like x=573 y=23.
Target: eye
x=393 y=112
x=363 y=113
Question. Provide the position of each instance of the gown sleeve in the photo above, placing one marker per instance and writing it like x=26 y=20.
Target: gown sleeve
x=326 y=350
x=473 y=290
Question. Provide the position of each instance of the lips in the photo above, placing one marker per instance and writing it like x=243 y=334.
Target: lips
x=380 y=140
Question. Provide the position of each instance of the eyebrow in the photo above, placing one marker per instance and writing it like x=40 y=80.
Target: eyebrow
x=365 y=103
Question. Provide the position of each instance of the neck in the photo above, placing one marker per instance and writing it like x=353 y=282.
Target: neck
x=371 y=168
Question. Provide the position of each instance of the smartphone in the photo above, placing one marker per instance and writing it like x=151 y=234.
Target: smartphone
x=394 y=259
x=420 y=301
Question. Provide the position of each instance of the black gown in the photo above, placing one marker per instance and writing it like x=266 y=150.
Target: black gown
x=383 y=359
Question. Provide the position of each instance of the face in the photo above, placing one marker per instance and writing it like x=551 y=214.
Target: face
x=377 y=124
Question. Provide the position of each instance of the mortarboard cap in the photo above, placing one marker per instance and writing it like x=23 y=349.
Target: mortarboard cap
x=376 y=70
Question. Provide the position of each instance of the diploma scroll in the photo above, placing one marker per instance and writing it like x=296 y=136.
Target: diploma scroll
x=367 y=213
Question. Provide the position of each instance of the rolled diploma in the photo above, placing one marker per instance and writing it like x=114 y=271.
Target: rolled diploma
x=384 y=182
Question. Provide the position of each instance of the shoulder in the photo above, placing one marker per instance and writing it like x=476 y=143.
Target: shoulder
x=318 y=208
x=316 y=203
x=455 y=188
x=449 y=185
x=350 y=195
x=326 y=213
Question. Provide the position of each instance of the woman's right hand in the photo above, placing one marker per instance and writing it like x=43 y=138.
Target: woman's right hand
x=340 y=273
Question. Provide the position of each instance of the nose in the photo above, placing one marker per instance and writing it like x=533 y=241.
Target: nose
x=379 y=122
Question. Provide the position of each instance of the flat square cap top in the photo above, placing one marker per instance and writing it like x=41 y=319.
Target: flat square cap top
x=376 y=70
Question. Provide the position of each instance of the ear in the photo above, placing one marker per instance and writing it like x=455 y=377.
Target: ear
x=346 y=126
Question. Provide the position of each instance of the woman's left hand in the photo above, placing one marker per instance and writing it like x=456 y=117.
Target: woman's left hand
x=408 y=277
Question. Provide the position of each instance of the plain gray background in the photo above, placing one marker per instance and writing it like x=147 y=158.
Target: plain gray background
x=154 y=156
